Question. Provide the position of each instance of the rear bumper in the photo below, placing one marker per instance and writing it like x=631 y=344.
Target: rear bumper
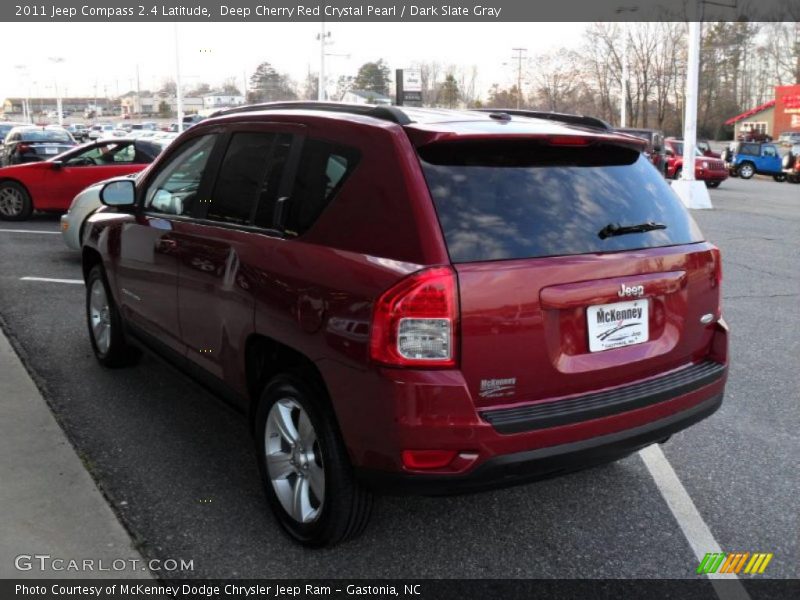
x=521 y=467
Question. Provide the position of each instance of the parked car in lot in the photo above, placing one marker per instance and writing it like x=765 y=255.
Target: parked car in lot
x=30 y=143
x=100 y=131
x=413 y=300
x=654 y=148
x=753 y=136
x=87 y=202
x=78 y=131
x=789 y=138
x=5 y=127
x=791 y=164
x=710 y=170
x=745 y=159
x=51 y=185
x=705 y=149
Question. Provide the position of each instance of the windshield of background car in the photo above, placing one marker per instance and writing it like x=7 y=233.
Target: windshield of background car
x=521 y=199
x=679 y=149
x=45 y=135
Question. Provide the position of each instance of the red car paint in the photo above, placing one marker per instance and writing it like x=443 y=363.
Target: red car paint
x=53 y=183
x=706 y=168
x=194 y=285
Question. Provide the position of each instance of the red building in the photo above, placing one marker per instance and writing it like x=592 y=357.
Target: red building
x=774 y=117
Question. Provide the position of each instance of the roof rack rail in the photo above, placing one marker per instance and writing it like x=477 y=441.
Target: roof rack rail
x=570 y=119
x=386 y=113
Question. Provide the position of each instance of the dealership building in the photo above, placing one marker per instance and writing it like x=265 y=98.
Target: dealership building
x=775 y=117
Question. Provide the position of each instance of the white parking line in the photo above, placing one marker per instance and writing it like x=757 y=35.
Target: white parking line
x=51 y=280
x=29 y=231
x=688 y=517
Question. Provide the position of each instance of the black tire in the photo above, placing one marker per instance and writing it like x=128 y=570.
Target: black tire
x=712 y=184
x=677 y=174
x=779 y=178
x=793 y=178
x=15 y=202
x=746 y=170
x=117 y=353
x=347 y=505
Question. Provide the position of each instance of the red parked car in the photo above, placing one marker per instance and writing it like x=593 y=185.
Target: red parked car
x=411 y=300
x=708 y=169
x=50 y=185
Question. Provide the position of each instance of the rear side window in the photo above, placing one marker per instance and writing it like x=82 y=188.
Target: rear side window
x=322 y=171
x=240 y=178
x=511 y=200
x=749 y=149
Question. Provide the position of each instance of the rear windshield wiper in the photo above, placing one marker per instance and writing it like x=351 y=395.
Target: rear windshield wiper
x=613 y=229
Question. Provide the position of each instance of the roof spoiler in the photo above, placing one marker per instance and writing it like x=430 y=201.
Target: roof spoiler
x=569 y=119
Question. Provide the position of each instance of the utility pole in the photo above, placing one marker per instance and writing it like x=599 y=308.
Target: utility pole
x=519 y=56
x=322 y=36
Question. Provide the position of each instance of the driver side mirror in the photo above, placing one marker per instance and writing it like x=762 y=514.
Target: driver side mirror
x=669 y=152
x=56 y=165
x=118 y=193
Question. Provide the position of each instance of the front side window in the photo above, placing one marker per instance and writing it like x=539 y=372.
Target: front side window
x=174 y=190
x=105 y=154
x=770 y=151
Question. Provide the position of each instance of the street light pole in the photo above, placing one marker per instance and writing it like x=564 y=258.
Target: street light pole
x=693 y=193
x=57 y=60
x=178 y=93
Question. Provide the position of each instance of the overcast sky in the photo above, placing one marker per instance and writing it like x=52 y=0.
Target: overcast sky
x=107 y=54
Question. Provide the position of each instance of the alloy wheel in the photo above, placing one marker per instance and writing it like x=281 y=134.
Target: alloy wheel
x=11 y=201
x=100 y=316
x=294 y=461
x=746 y=171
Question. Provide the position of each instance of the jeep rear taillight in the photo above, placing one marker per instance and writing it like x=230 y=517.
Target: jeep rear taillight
x=414 y=323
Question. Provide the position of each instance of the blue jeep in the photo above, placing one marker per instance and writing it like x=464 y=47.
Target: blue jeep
x=745 y=159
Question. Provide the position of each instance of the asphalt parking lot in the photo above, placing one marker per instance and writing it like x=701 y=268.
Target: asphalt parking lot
x=177 y=467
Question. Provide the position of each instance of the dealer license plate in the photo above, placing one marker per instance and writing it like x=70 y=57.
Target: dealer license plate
x=618 y=324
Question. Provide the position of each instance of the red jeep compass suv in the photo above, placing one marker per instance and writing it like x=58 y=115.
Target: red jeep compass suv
x=418 y=301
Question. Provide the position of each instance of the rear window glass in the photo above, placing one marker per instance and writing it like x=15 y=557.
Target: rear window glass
x=45 y=135
x=525 y=200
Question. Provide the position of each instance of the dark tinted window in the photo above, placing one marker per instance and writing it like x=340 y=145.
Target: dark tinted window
x=241 y=177
x=45 y=135
x=270 y=189
x=521 y=200
x=322 y=171
x=750 y=149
